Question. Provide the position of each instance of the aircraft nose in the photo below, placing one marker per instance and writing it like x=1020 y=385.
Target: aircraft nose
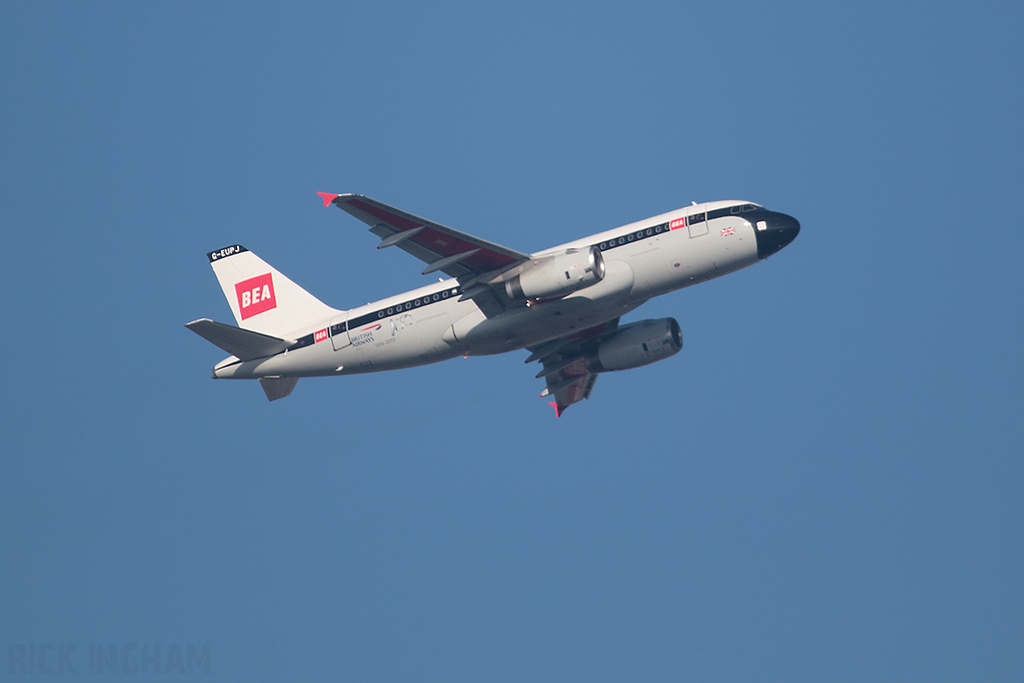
x=775 y=231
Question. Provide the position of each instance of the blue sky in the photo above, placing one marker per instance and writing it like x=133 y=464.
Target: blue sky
x=824 y=485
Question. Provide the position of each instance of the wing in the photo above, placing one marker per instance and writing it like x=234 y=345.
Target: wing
x=565 y=369
x=452 y=252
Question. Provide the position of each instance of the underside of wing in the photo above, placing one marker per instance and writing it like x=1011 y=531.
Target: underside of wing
x=565 y=369
x=570 y=385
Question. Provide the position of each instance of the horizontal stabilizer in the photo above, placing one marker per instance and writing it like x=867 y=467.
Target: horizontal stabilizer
x=245 y=344
x=278 y=387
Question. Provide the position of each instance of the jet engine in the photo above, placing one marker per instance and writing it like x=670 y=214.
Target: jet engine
x=557 y=276
x=637 y=344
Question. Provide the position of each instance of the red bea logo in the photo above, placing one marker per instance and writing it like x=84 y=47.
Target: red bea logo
x=677 y=223
x=256 y=295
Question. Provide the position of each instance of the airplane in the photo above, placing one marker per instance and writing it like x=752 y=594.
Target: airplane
x=562 y=304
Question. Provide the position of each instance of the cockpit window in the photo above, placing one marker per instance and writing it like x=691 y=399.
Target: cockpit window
x=742 y=208
x=739 y=208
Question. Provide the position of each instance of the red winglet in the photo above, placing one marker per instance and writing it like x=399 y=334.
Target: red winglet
x=558 y=411
x=328 y=198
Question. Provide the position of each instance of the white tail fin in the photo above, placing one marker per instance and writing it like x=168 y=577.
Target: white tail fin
x=261 y=298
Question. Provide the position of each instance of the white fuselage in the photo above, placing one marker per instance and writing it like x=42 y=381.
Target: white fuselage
x=430 y=324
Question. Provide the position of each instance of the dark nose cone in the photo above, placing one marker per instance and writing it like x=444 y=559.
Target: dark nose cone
x=778 y=231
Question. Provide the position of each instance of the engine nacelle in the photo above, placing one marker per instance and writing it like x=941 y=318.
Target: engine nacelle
x=557 y=276
x=638 y=344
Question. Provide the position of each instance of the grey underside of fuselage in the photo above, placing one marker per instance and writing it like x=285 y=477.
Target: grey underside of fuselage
x=448 y=328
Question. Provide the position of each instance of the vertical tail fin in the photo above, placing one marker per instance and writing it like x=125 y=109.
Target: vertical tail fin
x=261 y=298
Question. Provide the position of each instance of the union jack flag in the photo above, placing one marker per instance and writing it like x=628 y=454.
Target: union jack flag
x=728 y=231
